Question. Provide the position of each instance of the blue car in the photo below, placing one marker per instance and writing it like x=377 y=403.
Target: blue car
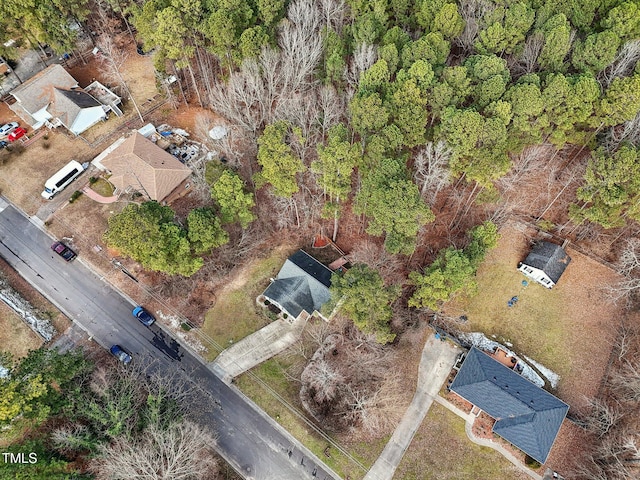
x=145 y=317
x=121 y=354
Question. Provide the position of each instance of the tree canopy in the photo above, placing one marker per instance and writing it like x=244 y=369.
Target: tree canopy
x=611 y=193
x=235 y=204
x=148 y=234
x=362 y=296
x=392 y=203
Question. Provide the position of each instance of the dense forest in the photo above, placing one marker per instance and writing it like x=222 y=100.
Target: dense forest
x=380 y=105
x=409 y=130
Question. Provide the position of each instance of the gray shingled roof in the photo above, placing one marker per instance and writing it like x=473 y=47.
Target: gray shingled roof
x=302 y=284
x=550 y=258
x=67 y=104
x=526 y=415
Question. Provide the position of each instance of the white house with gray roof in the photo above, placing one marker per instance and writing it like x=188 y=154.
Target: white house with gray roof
x=545 y=263
x=53 y=98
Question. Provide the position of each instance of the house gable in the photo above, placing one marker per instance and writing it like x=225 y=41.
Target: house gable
x=545 y=263
x=526 y=415
x=140 y=164
x=302 y=284
x=35 y=93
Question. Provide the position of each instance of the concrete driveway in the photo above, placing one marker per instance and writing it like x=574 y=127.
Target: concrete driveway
x=258 y=347
x=438 y=357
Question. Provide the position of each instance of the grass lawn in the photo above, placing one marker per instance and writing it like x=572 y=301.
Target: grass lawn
x=441 y=450
x=102 y=187
x=565 y=328
x=17 y=338
x=235 y=314
x=272 y=373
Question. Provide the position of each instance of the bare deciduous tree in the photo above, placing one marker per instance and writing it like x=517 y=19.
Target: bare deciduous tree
x=626 y=381
x=624 y=63
x=602 y=417
x=378 y=258
x=184 y=451
x=472 y=12
x=630 y=132
x=431 y=171
x=363 y=57
x=300 y=44
x=112 y=59
x=334 y=13
x=629 y=267
x=527 y=61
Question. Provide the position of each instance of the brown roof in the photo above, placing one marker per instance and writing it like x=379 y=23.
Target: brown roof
x=36 y=93
x=141 y=164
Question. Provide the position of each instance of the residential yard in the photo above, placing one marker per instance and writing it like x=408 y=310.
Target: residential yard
x=441 y=450
x=569 y=329
x=235 y=314
x=272 y=373
x=280 y=374
x=17 y=338
x=24 y=171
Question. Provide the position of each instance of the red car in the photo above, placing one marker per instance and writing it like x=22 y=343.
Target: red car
x=16 y=134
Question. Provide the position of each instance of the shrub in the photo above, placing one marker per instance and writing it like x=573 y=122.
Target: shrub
x=267 y=302
x=185 y=326
x=93 y=180
x=531 y=462
x=74 y=196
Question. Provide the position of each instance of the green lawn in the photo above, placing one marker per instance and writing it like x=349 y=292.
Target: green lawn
x=441 y=450
x=235 y=314
x=272 y=372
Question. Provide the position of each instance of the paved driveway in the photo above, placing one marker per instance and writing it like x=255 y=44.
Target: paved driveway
x=437 y=360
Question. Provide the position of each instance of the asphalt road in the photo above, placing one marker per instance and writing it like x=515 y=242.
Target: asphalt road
x=248 y=439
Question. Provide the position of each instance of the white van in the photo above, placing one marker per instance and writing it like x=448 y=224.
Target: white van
x=61 y=179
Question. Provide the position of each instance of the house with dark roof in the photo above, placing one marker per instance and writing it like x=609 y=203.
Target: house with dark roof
x=545 y=263
x=526 y=416
x=301 y=287
x=53 y=98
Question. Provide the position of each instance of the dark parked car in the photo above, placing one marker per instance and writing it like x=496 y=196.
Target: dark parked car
x=144 y=316
x=64 y=251
x=121 y=354
x=3 y=143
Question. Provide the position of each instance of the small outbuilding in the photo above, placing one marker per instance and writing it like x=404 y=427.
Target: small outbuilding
x=545 y=263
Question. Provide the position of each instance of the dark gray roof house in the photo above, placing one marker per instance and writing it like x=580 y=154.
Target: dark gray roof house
x=302 y=285
x=526 y=416
x=545 y=263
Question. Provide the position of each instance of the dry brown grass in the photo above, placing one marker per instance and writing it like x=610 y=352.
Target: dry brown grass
x=441 y=450
x=23 y=174
x=569 y=329
x=17 y=338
